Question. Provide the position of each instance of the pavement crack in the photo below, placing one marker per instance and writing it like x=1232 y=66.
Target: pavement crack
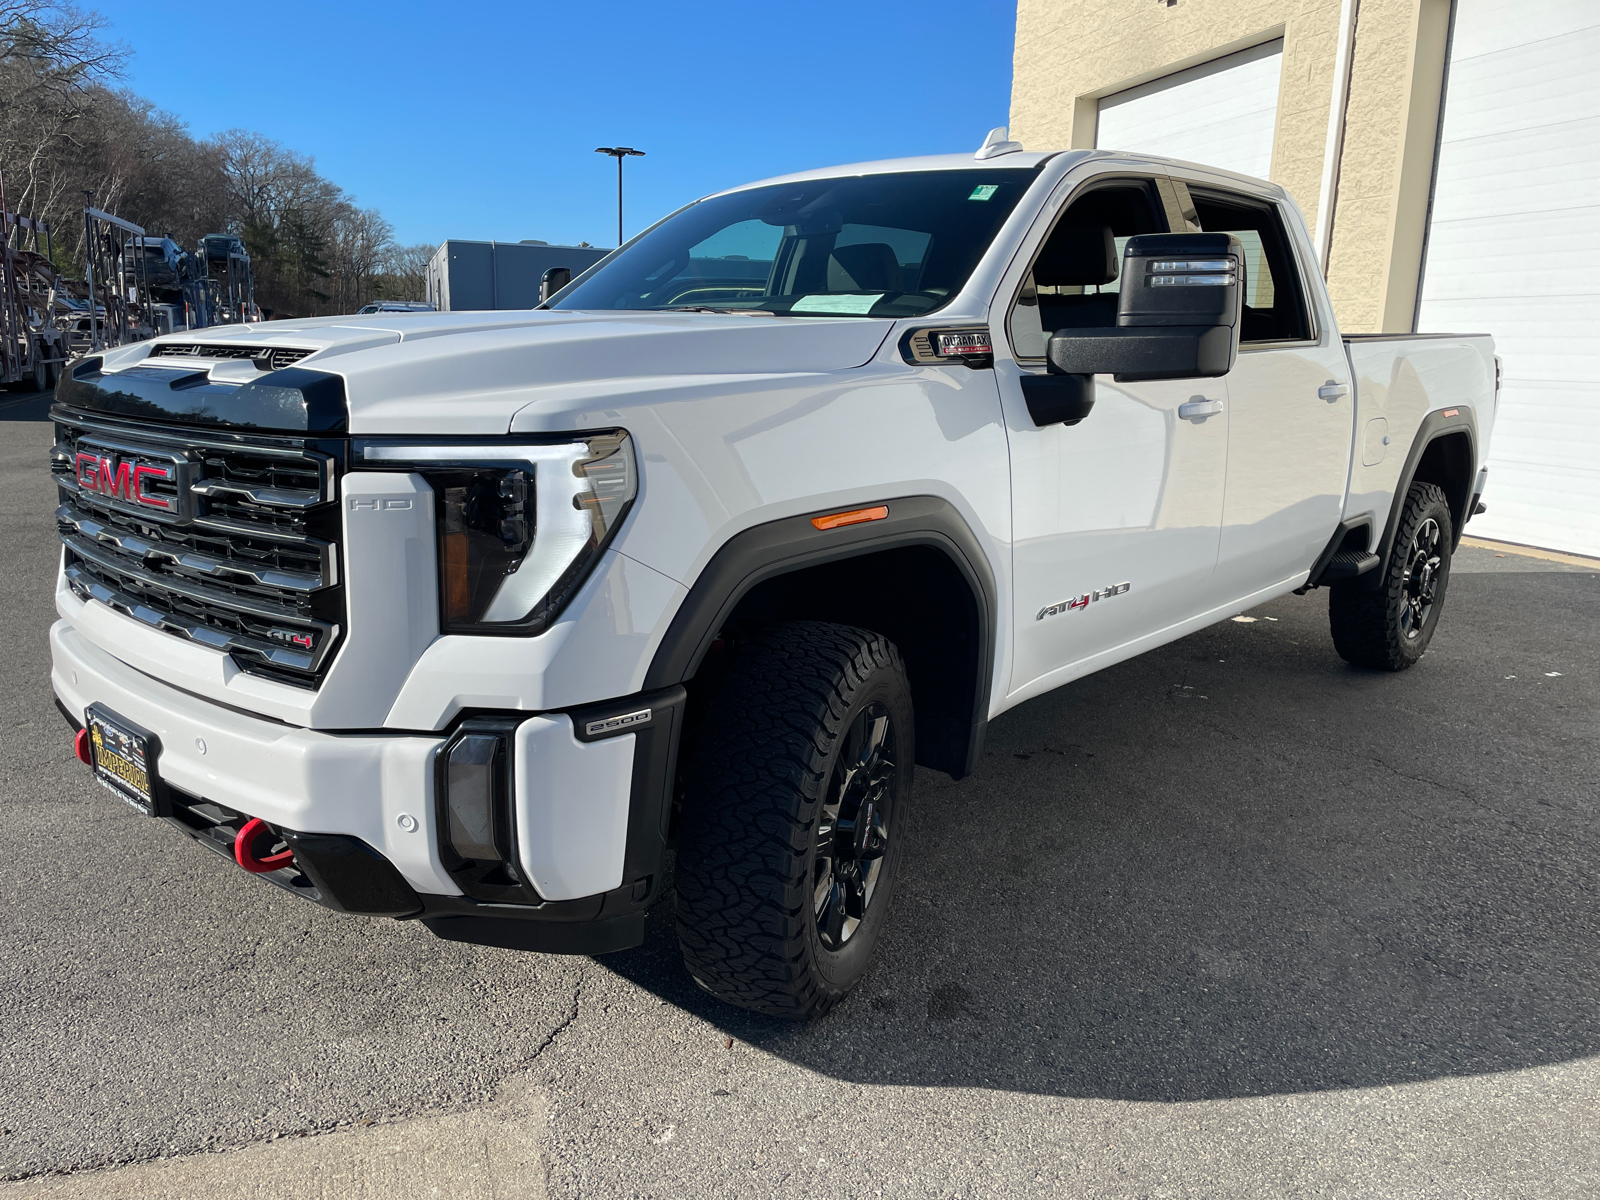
x=1512 y=819
x=561 y=1027
x=1440 y=784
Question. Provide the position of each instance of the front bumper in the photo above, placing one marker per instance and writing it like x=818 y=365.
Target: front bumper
x=359 y=811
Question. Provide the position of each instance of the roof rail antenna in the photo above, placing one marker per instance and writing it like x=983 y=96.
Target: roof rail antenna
x=996 y=144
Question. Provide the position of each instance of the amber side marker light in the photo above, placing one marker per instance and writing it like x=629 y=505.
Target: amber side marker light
x=854 y=517
x=1451 y=412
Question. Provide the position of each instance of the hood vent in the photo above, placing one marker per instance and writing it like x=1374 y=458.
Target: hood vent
x=265 y=358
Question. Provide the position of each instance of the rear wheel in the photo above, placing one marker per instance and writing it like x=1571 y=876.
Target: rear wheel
x=794 y=818
x=1389 y=627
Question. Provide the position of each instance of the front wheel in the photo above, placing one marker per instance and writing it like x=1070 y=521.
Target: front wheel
x=1389 y=627
x=794 y=818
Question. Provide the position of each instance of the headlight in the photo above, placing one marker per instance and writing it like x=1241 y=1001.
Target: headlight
x=520 y=525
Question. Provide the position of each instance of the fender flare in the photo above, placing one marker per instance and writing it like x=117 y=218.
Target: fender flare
x=791 y=544
x=1445 y=422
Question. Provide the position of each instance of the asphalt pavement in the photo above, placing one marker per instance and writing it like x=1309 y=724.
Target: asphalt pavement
x=1232 y=919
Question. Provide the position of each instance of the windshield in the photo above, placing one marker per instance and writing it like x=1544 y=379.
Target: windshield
x=868 y=245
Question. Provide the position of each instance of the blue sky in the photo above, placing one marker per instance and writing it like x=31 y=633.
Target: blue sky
x=480 y=120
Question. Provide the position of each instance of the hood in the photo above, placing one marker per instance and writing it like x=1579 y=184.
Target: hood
x=448 y=373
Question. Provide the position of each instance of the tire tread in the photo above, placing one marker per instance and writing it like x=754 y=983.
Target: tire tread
x=1364 y=620
x=751 y=808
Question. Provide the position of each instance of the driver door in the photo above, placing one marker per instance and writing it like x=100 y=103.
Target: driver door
x=1116 y=519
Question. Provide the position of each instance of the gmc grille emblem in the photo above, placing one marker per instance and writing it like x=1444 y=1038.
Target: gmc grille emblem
x=125 y=479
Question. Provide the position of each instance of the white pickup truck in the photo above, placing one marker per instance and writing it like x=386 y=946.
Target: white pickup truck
x=472 y=618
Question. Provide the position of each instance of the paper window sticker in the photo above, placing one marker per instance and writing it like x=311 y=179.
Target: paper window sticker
x=854 y=305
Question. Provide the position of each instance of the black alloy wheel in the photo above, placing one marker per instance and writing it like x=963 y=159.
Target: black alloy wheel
x=1421 y=580
x=1386 y=620
x=853 y=832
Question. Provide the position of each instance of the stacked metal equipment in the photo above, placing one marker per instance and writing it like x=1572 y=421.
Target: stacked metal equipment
x=112 y=269
x=32 y=341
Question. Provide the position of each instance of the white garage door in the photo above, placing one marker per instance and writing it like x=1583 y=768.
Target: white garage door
x=1514 y=250
x=1221 y=114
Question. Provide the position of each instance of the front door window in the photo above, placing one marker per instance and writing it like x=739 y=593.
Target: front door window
x=1115 y=519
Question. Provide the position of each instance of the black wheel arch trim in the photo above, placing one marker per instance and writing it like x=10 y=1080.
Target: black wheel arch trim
x=790 y=544
x=1441 y=423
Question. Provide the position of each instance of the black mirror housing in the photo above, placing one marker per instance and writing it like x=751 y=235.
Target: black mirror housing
x=1177 y=314
x=553 y=281
x=1058 y=399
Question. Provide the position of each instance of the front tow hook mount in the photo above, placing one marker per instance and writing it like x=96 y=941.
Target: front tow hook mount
x=244 y=852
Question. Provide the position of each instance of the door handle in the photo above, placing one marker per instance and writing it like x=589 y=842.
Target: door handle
x=1199 y=408
x=1332 y=391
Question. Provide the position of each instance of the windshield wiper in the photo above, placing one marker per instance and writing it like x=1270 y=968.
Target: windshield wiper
x=732 y=312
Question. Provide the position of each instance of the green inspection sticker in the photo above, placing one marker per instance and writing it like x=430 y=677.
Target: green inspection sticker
x=983 y=191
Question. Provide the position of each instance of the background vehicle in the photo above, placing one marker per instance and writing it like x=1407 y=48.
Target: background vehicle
x=32 y=344
x=229 y=283
x=156 y=263
x=469 y=626
x=393 y=306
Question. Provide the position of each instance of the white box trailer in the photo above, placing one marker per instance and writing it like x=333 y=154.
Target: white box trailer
x=464 y=275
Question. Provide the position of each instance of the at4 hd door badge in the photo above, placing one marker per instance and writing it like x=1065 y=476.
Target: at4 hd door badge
x=1083 y=601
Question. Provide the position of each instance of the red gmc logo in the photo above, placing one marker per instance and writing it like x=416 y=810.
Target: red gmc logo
x=122 y=479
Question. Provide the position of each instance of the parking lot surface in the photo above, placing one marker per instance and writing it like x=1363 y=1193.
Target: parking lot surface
x=1230 y=919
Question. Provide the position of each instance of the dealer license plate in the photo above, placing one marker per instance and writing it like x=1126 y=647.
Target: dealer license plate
x=124 y=758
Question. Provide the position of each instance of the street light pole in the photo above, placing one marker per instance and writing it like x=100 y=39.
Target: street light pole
x=619 y=153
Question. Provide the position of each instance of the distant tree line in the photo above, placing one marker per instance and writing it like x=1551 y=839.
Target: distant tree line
x=67 y=127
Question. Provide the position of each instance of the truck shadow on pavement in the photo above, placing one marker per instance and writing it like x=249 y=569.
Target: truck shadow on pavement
x=1237 y=867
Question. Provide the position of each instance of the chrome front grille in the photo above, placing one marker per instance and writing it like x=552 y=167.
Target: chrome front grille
x=224 y=540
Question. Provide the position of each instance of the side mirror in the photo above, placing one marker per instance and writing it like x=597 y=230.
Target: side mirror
x=553 y=281
x=1058 y=399
x=1177 y=314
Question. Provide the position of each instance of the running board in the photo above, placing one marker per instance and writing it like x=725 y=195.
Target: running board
x=1347 y=564
x=1335 y=564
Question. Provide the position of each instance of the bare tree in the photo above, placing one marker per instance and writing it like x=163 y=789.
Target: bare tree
x=66 y=128
x=404 y=274
x=52 y=60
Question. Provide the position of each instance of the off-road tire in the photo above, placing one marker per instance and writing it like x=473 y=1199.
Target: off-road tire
x=769 y=752
x=1377 y=627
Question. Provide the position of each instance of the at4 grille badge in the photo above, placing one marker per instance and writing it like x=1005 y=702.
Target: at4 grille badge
x=1081 y=602
x=298 y=638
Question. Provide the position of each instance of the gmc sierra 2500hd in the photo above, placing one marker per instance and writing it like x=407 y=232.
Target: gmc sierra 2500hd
x=471 y=617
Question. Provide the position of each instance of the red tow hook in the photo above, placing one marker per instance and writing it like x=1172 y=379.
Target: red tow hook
x=244 y=852
x=80 y=747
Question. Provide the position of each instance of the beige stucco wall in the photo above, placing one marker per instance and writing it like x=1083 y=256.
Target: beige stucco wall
x=1070 y=53
x=1390 y=129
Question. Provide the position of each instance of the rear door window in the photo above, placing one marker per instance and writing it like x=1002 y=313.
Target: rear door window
x=1274 y=302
